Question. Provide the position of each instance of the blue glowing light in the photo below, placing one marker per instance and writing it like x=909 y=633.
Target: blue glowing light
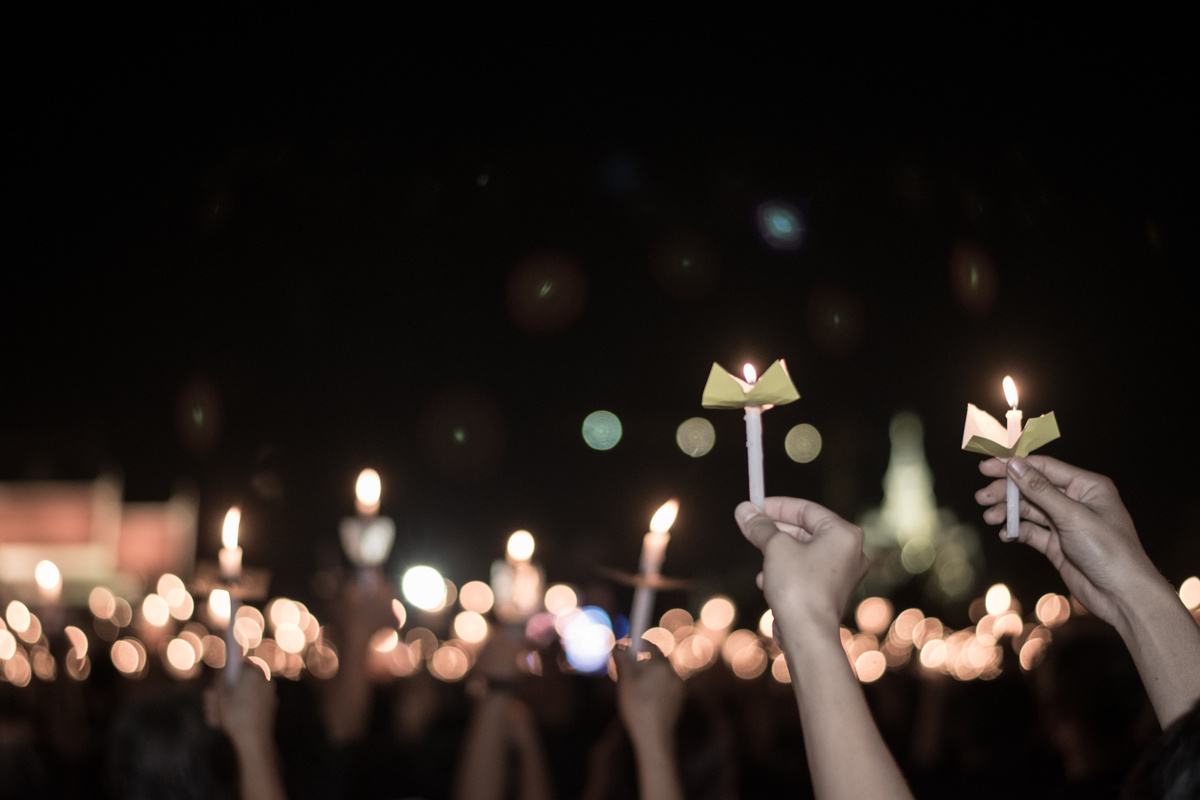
x=601 y=430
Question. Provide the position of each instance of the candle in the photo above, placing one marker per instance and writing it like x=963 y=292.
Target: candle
x=230 y=555
x=1013 y=495
x=753 y=395
x=230 y=558
x=367 y=491
x=754 y=451
x=49 y=582
x=517 y=581
x=367 y=539
x=654 y=550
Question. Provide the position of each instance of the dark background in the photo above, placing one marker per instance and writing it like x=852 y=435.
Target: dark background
x=308 y=238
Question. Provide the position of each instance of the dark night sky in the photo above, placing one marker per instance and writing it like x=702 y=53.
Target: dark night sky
x=322 y=231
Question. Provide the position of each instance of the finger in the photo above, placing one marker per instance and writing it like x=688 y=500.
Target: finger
x=755 y=525
x=1036 y=536
x=1041 y=490
x=992 y=467
x=998 y=513
x=805 y=514
x=994 y=492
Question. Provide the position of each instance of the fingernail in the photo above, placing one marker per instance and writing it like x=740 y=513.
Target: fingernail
x=745 y=511
x=1017 y=466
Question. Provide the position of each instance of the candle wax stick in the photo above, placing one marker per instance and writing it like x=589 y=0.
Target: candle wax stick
x=654 y=548
x=233 y=651
x=754 y=455
x=1012 y=493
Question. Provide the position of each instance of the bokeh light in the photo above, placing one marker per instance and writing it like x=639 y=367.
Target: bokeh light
x=588 y=639
x=998 y=599
x=546 y=292
x=560 y=599
x=424 y=588
x=46 y=575
x=835 y=320
x=470 y=627
x=917 y=555
x=155 y=610
x=779 y=669
x=717 y=614
x=766 y=624
x=874 y=615
x=520 y=546
x=475 y=596
x=780 y=225
x=973 y=278
x=803 y=443
x=1189 y=593
x=685 y=264
x=102 y=602
x=129 y=657
x=870 y=666
x=601 y=430
x=462 y=432
x=696 y=436
x=449 y=663
x=18 y=616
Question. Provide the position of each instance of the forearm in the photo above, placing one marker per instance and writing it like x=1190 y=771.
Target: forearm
x=483 y=767
x=1164 y=641
x=258 y=765
x=846 y=754
x=657 y=767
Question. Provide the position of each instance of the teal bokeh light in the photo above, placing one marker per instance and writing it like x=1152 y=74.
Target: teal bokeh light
x=601 y=430
x=781 y=225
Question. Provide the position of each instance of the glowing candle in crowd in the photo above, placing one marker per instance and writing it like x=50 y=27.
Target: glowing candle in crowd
x=230 y=558
x=517 y=582
x=654 y=550
x=754 y=447
x=49 y=582
x=367 y=539
x=1013 y=496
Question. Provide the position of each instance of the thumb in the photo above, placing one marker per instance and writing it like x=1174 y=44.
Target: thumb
x=756 y=526
x=1038 y=489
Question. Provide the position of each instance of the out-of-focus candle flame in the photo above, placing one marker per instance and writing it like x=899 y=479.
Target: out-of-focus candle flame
x=368 y=490
x=664 y=517
x=47 y=575
x=229 y=531
x=520 y=546
x=750 y=372
x=1010 y=392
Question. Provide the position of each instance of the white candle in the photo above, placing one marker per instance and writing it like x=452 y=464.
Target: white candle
x=1013 y=495
x=367 y=539
x=754 y=448
x=230 y=558
x=230 y=555
x=654 y=550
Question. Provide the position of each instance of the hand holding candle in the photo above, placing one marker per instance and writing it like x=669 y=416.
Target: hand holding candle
x=983 y=434
x=755 y=395
x=654 y=550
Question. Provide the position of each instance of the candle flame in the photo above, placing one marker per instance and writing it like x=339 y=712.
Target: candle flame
x=750 y=372
x=664 y=517
x=47 y=575
x=229 y=531
x=368 y=489
x=520 y=546
x=1010 y=391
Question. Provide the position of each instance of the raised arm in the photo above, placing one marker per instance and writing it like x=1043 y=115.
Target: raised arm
x=812 y=560
x=1076 y=519
x=650 y=698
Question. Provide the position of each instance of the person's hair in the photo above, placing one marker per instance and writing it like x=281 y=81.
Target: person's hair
x=1169 y=769
x=161 y=747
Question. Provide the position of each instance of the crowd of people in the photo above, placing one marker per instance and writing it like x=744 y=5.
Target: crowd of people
x=1113 y=712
